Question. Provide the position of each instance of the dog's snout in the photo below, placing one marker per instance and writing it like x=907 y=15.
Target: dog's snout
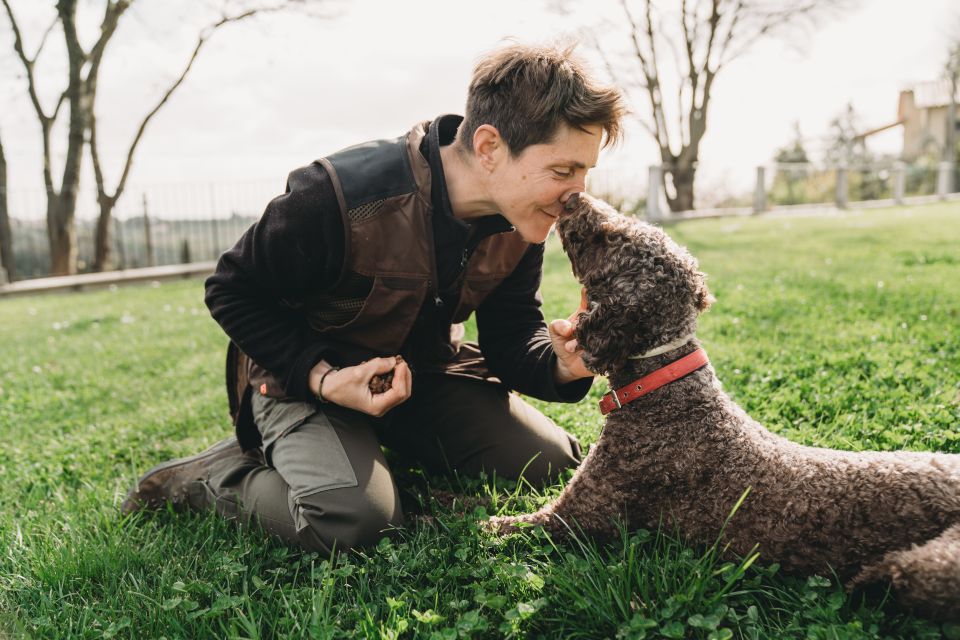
x=572 y=202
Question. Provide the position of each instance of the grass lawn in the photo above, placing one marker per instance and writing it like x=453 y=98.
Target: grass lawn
x=837 y=331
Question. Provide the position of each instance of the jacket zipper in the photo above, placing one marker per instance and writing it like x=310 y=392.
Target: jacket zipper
x=433 y=284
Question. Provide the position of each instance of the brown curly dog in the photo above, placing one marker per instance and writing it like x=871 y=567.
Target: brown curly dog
x=683 y=454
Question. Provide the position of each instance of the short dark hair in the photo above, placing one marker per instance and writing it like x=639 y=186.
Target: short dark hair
x=527 y=92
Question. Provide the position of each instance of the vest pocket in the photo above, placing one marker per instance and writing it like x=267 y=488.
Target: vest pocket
x=385 y=318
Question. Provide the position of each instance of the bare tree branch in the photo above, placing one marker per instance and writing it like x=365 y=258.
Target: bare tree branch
x=106 y=200
x=775 y=20
x=27 y=62
x=43 y=40
x=666 y=149
x=95 y=157
x=634 y=38
x=731 y=29
x=76 y=58
x=201 y=41
x=603 y=55
x=111 y=16
x=708 y=35
x=46 y=122
x=652 y=82
x=713 y=23
x=60 y=101
x=688 y=45
x=700 y=93
x=629 y=85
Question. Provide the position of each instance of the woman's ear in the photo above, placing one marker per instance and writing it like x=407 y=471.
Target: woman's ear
x=488 y=146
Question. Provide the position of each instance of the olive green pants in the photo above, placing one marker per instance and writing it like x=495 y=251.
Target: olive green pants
x=322 y=481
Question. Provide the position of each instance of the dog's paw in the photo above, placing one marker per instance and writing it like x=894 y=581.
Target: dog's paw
x=503 y=525
x=500 y=525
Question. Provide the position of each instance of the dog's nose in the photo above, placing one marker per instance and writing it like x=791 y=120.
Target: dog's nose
x=571 y=202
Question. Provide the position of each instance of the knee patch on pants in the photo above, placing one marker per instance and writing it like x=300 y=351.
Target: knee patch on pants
x=343 y=519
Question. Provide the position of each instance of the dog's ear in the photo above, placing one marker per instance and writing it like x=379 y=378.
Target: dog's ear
x=702 y=295
x=607 y=332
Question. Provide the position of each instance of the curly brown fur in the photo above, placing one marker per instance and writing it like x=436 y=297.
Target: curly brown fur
x=683 y=455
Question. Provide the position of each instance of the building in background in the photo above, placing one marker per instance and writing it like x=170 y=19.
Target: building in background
x=923 y=113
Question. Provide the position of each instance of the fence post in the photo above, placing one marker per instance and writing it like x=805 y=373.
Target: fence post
x=146 y=233
x=653 y=193
x=899 y=181
x=760 y=191
x=214 y=227
x=945 y=179
x=843 y=187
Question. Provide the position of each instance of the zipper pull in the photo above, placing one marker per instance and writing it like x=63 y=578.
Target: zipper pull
x=437 y=301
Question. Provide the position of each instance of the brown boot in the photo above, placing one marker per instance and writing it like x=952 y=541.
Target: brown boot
x=170 y=481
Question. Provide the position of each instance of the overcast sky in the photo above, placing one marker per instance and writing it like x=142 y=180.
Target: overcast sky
x=274 y=94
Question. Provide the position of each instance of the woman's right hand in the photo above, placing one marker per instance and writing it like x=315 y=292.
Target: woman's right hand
x=350 y=387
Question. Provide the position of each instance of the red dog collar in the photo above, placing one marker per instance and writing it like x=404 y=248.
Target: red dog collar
x=651 y=382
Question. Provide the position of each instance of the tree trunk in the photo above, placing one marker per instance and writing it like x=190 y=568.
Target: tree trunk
x=680 y=197
x=6 y=235
x=103 y=247
x=61 y=208
x=62 y=229
x=62 y=234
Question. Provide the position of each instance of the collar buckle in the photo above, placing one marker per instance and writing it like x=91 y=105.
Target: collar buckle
x=616 y=398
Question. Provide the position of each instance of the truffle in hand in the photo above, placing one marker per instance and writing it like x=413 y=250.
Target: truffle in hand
x=381 y=383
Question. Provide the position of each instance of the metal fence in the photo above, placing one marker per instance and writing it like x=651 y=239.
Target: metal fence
x=166 y=224
x=152 y=225
x=789 y=184
x=779 y=186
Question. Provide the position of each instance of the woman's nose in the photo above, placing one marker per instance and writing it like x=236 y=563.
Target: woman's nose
x=573 y=190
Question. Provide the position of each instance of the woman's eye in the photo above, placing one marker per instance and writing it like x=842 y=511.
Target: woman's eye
x=562 y=174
